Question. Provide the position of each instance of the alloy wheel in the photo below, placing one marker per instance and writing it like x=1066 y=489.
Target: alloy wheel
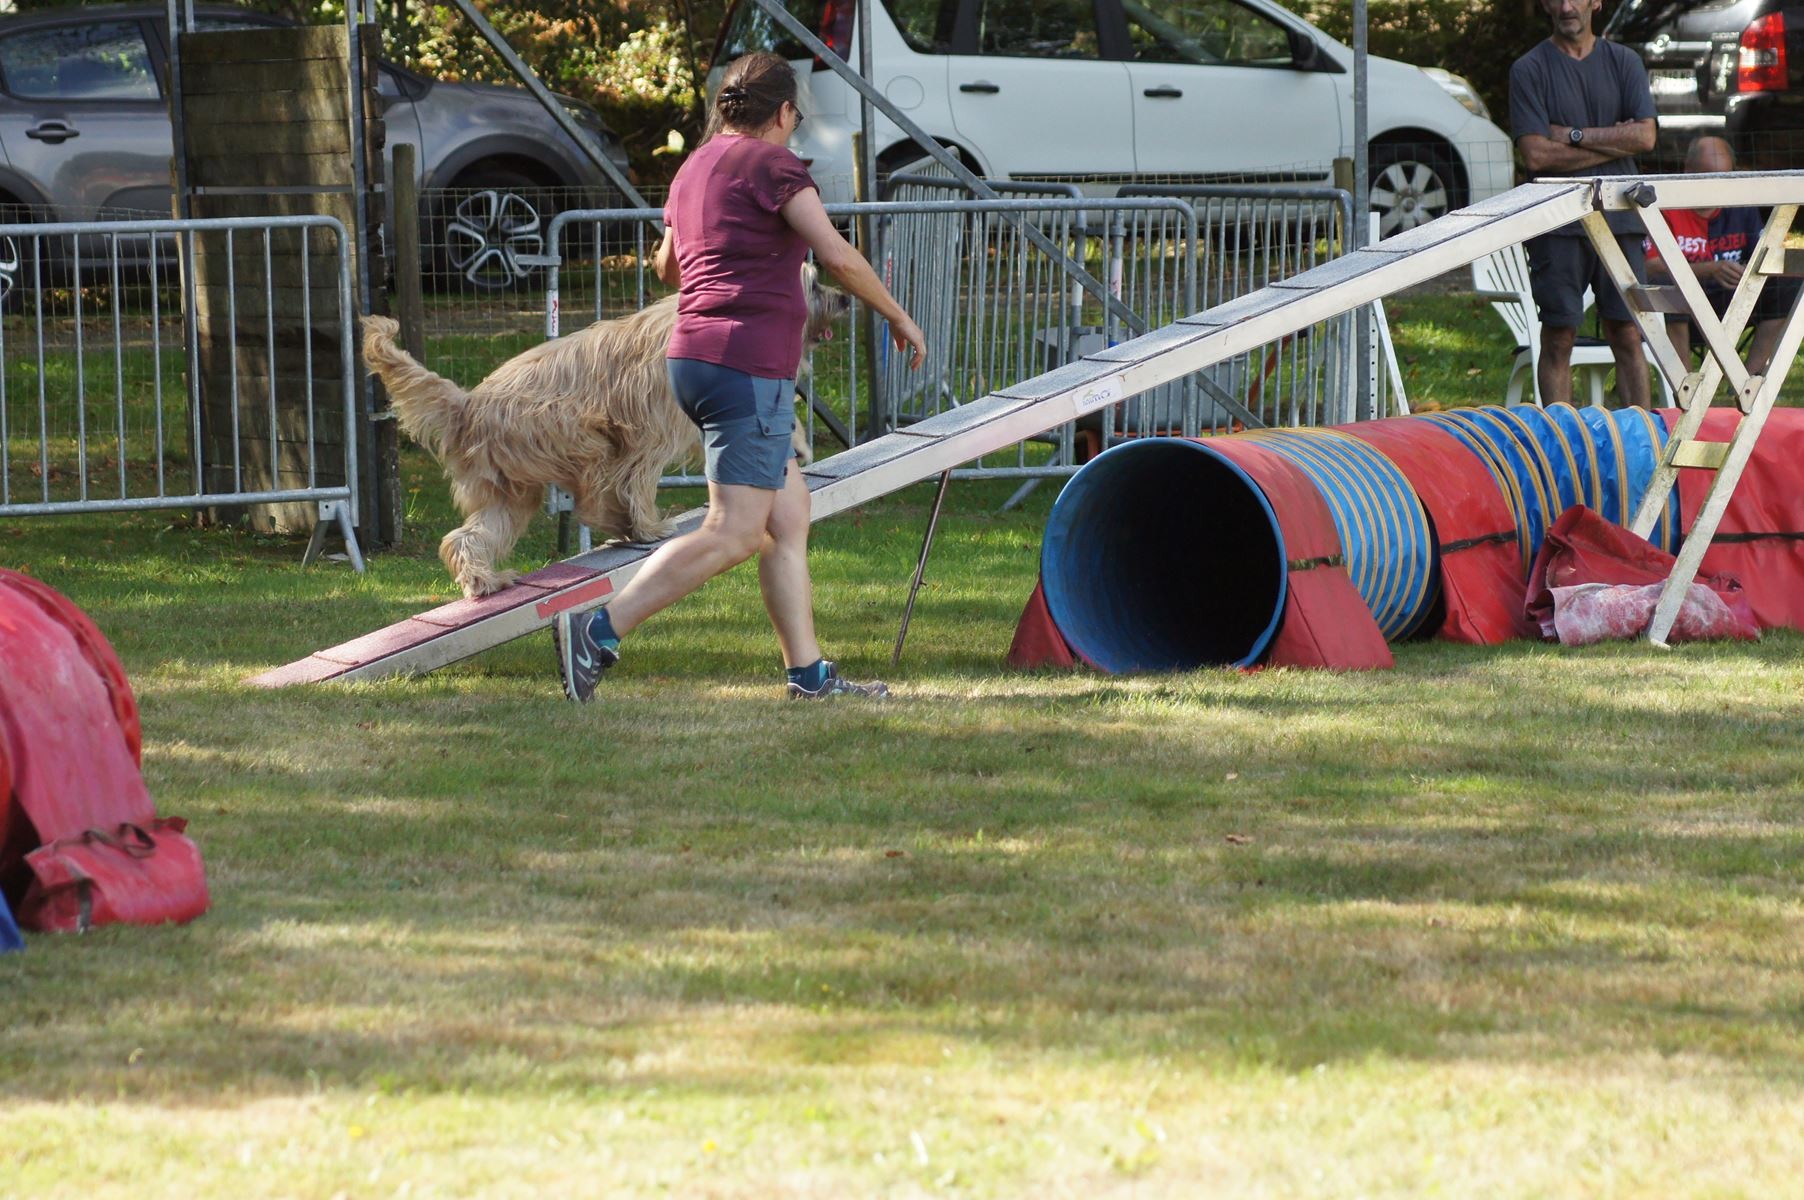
x=10 y=265
x=1407 y=194
x=487 y=235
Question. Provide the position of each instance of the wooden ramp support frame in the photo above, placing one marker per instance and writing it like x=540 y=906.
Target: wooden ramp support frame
x=464 y=628
x=1694 y=390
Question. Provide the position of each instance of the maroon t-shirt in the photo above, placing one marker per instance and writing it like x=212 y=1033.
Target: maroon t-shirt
x=741 y=303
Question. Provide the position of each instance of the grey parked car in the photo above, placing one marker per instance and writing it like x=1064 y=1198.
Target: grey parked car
x=84 y=133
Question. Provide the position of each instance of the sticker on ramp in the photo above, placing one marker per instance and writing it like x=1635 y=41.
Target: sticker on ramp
x=1100 y=394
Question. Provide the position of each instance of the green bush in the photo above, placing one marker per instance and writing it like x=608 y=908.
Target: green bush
x=1475 y=38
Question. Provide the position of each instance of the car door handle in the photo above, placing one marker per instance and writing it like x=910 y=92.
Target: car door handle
x=1164 y=93
x=982 y=85
x=53 y=132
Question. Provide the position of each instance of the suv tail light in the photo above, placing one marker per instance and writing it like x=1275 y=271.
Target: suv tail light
x=1761 y=67
x=836 y=29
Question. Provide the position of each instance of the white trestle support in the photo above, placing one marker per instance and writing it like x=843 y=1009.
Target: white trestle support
x=1695 y=390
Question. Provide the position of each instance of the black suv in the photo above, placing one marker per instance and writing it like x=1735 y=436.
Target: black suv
x=1734 y=68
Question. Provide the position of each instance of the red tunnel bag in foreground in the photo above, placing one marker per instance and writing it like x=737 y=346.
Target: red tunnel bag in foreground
x=80 y=843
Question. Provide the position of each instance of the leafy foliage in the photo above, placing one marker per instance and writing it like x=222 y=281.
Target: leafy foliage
x=1475 y=38
x=631 y=59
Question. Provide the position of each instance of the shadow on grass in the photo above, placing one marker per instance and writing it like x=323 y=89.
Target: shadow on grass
x=454 y=884
x=461 y=882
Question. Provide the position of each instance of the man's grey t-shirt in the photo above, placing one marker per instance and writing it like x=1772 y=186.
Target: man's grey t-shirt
x=1549 y=87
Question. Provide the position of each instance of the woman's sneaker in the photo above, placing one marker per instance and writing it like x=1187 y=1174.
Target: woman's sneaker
x=833 y=685
x=581 y=660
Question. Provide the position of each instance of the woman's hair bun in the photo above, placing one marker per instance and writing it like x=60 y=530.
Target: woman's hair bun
x=755 y=88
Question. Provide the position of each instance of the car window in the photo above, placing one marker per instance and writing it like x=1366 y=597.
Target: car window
x=1037 y=29
x=749 y=28
x=926 y=25
x=1640 y=20
x=105 y=60
x=1205 y=32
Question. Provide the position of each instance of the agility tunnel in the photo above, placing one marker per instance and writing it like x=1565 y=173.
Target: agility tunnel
x=81 y=844
x=9 y=930
x=1170 y=554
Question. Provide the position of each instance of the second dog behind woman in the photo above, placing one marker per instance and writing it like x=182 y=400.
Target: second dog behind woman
x=742 y=214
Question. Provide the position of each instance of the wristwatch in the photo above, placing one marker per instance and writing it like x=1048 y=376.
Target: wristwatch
x=1576 y=136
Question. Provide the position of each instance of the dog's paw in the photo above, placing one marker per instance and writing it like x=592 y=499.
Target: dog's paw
x=647 y=534
x=487 y=583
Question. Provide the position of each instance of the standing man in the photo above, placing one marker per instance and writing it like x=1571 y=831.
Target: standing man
x=1580 y=106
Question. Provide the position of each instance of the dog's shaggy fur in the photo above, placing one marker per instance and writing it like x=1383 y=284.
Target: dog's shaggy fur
x=591 y=412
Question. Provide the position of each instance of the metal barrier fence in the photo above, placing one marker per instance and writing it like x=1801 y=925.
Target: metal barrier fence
x=130 y=380
x=994 y=308
x=997 y=310
x=484 y=271
x=1258 y=236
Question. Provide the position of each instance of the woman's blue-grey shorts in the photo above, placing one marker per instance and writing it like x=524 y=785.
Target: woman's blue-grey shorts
x=746 y=422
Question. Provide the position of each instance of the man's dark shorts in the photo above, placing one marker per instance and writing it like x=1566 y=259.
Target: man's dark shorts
x=1560 y=268
x=747 y=422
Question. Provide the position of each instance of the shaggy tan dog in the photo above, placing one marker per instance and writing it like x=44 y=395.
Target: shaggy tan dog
x=591 y=412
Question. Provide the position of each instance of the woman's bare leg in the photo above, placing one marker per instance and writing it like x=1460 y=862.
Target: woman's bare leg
x=732 y=532
x=783 y=573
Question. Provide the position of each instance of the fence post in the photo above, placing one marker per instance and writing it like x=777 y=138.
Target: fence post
x=410 y=303
x=1343 y=175
x=863 y=191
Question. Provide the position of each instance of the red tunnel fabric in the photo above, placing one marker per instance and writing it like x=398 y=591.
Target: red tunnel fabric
x=1038 y=642
x=1481 y=571
x=1582 y=547
x=1325 y=622
x=94 y=647
x=1760 y=540
x=69 y=735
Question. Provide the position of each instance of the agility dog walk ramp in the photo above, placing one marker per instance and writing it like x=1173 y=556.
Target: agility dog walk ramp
x=464 y=628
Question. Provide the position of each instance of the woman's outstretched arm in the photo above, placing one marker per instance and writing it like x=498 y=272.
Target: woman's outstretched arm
x=808 y=217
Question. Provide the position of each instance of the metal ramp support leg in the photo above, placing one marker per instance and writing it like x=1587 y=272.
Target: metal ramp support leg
x=562 y=505
x=914 y=588
x=334 y=513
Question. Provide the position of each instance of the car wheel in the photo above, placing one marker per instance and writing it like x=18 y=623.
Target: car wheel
x=13 y=281
x=491 y=226
x=1411 y=185
x=20 y=260
x=910 y=159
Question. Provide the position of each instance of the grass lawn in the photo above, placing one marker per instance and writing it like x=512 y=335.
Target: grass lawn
x=1502 y=922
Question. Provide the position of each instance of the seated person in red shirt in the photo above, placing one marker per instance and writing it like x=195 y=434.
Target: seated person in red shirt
x=1716 y=243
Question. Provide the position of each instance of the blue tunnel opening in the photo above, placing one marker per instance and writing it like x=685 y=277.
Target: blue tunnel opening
x=1162 y=555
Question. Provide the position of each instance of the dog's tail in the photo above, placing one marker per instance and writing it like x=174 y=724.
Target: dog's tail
x=424 y=402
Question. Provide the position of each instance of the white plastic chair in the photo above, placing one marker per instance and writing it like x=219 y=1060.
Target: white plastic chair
x=1503 y=277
